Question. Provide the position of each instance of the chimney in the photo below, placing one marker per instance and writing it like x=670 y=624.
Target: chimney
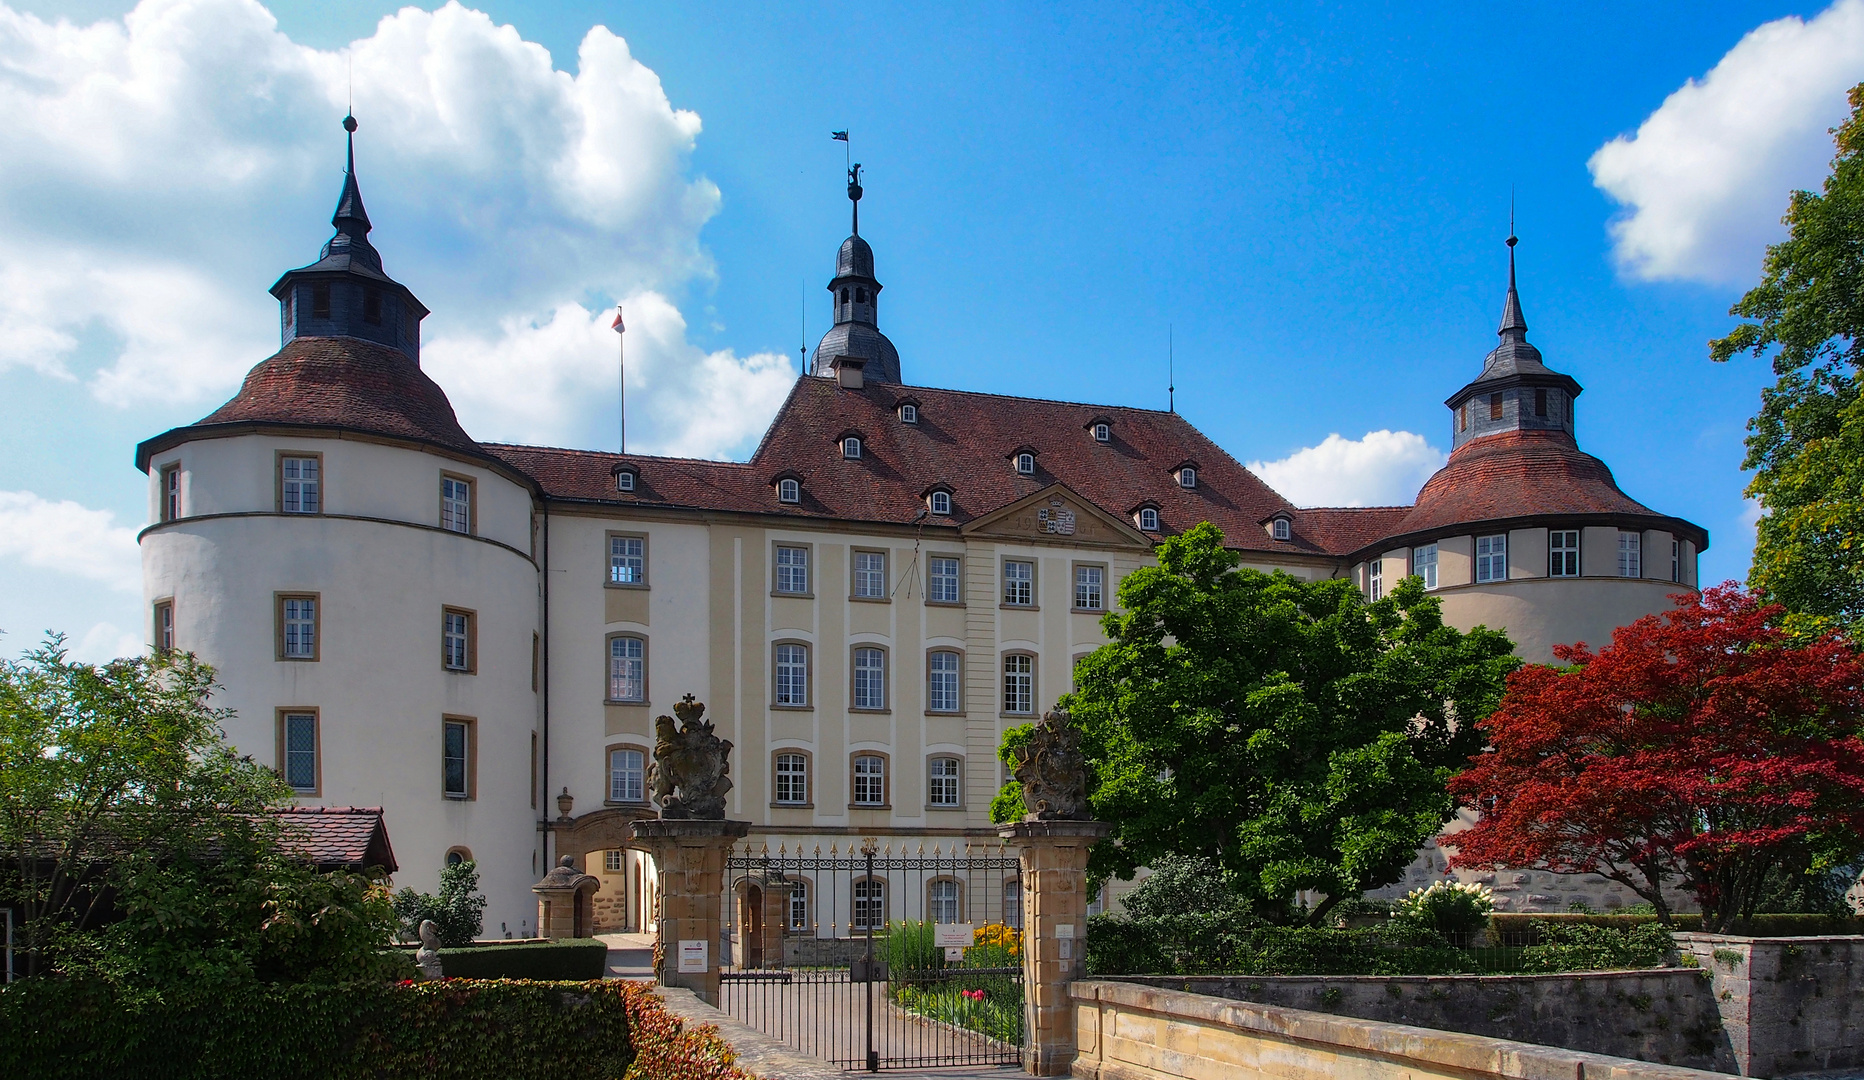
x=848 y=371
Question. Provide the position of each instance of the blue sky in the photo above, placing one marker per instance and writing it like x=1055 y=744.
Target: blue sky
x=1310 y=200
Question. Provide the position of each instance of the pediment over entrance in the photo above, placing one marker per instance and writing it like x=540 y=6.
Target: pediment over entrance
x=1060 y=516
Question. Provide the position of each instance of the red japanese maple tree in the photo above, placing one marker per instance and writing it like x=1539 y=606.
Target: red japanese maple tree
x=1705 y=746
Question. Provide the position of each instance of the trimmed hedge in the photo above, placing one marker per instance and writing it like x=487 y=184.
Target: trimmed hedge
x=1239 y=944
x=451 y=1030
x=1512 y=927
x=567 y=960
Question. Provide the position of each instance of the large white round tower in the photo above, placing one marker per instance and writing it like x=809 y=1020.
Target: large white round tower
x=362 y=577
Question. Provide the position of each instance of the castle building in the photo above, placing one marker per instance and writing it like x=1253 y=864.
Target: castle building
x=477 y=637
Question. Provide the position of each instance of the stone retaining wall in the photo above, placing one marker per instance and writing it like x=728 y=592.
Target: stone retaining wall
x=1126 y=1031
x=1789 y=1004
x=1666 y=1015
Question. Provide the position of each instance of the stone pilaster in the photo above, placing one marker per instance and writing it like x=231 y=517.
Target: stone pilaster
x=690 y=858
x=1054 y=874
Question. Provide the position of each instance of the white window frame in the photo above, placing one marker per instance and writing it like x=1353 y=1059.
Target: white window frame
x=851 y=447
x=792 y=565
x=1013 y=903
x=943 y=588
x=1375 y=578
x=1492 y=558
x=1562 y=552
x=627 y=776
x=799 y=904
x=1019 y=586
x=795 y=776
x=456 y=640
x=298 y=616
x=1148 y=520
x=870 y=781
x=454 y=757
x=909 y=414
x=1630 y=553
x=1424 y=564
x=1103 y=433
x=456 y=504
x=1026 y=464
x=944 y=681
x=789 y=491
x=939 y=503
x=870 y=679
x=944 y=900
x=627 y=668
x=300 y=484
x=943 y=782
x=627 y=560
x=1019 y=684
x=1090 y=591
x=613 y=861
x=870 y=900
x=164 y=625
x=1676 y=561
x=170 y=477
x=624 y=480
x=1187 y=477
x=870 y=575
x=791 y=662
x=1280 y=529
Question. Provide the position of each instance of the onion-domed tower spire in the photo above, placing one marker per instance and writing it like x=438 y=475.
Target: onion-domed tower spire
x=346 y=293
x=1515 y=391
x=855 y=294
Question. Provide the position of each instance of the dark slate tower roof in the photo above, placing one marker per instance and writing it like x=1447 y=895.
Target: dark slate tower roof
x=855 y=295
x=1514 y=380
x=346 y=293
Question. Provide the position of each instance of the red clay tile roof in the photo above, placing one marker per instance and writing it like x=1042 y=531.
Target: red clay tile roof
x=963 y=440
x=1344 y=529
x=1523 y=474
x=339 y=382
x=333 y=837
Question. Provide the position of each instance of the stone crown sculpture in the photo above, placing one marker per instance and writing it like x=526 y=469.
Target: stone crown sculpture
x=689 y=778
x=427 y=957
x=1053 y=771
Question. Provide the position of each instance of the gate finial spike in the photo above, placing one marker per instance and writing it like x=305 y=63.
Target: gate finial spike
x=766 y=849
x=922 y=848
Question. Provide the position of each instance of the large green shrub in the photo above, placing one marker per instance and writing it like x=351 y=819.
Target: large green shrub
x=1238 y=944
x=1183 y=885
x=457 y=910
x=1518 y=927
x=1454 y=909
x=1580 y=947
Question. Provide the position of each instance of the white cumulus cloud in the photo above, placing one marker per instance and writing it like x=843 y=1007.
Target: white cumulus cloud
x=1385 y=468
x=165 y=167
x=68 y=538
x=1706 y=177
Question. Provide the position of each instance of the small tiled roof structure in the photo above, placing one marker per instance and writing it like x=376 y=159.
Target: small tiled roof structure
x=337 y=837
x=343 y=383
x=962 y=442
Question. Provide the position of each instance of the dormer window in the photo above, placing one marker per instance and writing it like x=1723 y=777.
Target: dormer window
x=1148 y=520
x=940 y=503
x=1279 y=528
x=789 y=491
x=1103 y=433
x=624 y=480
x=851 y=448
x=1026 y=464
x=909 y=414
x=1187 y=476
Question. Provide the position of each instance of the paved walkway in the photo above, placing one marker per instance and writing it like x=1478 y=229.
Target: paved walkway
x=630 y=956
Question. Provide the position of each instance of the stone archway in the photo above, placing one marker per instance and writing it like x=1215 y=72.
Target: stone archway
x=606 y=904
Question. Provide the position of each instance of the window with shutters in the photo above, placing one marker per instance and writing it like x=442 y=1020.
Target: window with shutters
x=1424 y=564
x=1630 y=554
x=1492 y=558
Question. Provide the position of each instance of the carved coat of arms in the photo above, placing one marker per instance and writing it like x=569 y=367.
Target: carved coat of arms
x=689 y=775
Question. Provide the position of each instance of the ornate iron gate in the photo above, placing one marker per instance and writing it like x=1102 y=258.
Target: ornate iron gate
x=873 y=958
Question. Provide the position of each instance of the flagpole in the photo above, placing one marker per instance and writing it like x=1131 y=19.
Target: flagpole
x=621 y=373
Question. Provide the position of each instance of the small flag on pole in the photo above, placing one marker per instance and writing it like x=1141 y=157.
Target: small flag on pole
x=838 y=136
x=616 y=325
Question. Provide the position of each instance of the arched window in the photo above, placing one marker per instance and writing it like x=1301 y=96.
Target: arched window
x=1019 y=684
x=624 y=481
x=870 y=678
x=909 y=414
x=844 y=296
x=941 y=503
x=851 y=447
x=870 y=780
x=1187 y=477
x=792 y=778
x=789 y=491
x=627 y=773
x=942 y=781
x=942 y=677
x=1103 y=433
x=458 y=855
x=627 y=669
x=1149 y=520
x=1026 y=464
x=792 y=664
x=1281 y=528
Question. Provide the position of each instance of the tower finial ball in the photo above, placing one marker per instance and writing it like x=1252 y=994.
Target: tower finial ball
x=349 y=124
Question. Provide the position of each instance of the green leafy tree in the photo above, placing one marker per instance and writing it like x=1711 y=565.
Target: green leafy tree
x=138 y=847
x=458 y=910
x=1806 y=445
x=1295 y=735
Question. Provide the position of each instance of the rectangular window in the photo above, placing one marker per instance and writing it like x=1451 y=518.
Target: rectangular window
x=792 y=570
x=942 y=682
x=1375 y=578
x=1630 y=554
x=300 y=480
x=792 y=779
x=627 y=776
x=1495 y=406
x=1424 y=564
x=164 y=626
x=456 y=640
x=870 y=679
x=1019 y=583
x=1019 y=684
x=456 y=504
x=1540 y=401
x=612 y=861
x=297 y=627
x=870 y=904
x=372 y=307
x=627 y=560
x=627 y=669
x=942 y=900
x=1563 y=553
x=171 y=492
x=870 y=575
x=792 y=675
x=298 y=750
x=942 y=584
x=799 y=904
x=1088 y=588
x=942 y=782
x=533 y=770
x=1676 y=561
x=320 y=301
x=1492 y=558
x=870 y=780
x=456 y=759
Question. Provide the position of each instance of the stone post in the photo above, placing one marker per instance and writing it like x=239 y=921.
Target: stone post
x=557 y=896
x=690 y=857
x=1054 y=877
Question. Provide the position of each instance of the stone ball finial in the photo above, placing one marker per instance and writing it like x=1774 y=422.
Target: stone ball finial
x=349 y=124
x=567 y=862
